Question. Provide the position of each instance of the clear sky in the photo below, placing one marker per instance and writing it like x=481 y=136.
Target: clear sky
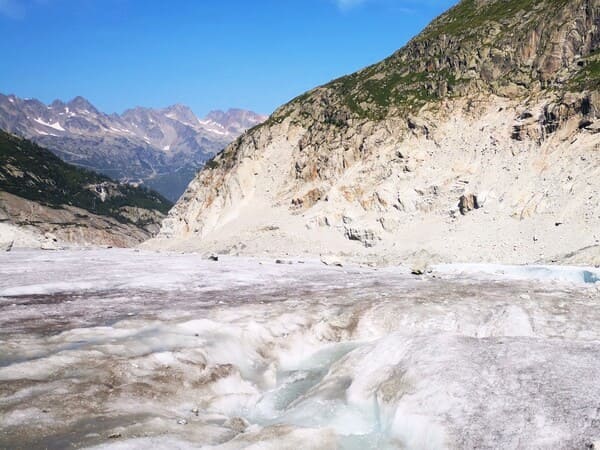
x=207 y=54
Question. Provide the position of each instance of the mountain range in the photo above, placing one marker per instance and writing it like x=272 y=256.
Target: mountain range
x=477 y=141
x=162 y=148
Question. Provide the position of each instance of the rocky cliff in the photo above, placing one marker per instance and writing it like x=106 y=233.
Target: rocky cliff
x=476 y=141
x=46 y=202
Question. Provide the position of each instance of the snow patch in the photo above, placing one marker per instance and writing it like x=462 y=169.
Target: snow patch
x=56 y=125
x=213 y=127
x=120 y=130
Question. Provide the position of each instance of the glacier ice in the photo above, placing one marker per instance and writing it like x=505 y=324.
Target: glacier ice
x=124 y=350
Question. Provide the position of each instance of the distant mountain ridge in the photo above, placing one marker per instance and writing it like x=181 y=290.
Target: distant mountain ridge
x=162 y=148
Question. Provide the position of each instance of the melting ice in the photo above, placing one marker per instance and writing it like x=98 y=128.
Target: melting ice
x=124 y=350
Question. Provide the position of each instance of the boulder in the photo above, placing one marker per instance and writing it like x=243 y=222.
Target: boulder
x=49 y=245
x=283 y=261
x=331 y=261
x=420 y=267
x=467 y=202
x=420 y=262
x=6 y=246
x=367 y=237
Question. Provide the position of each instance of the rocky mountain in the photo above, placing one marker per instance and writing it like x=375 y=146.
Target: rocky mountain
x=162 y=148
x=235 y=121
x=477 y=141
x=45 y=201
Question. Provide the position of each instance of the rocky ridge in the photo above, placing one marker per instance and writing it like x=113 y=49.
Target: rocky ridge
x=162 y=148
x=46 y=202
x=495 y=104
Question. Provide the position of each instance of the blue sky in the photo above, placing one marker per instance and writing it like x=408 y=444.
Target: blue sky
x=254 y=54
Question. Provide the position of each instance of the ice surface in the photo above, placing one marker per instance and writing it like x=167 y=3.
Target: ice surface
x=123 y=349
x=540 y=273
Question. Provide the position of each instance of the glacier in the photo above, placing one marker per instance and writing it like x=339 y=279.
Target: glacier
x=129 y=349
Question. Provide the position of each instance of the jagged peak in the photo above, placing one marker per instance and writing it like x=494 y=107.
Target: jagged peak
x=178 y=107
x=82 y=104
x=57 y=104
x=181 y=113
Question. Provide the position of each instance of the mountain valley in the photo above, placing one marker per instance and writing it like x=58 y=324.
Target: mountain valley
x=406 y=257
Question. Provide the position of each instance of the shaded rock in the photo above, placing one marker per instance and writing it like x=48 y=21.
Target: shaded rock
x=418 y=126
x=309 y=199
x=419 y=267
x=389 y=224
x=331 y=261
x=6 y=246
x=320 y=221
x=420 y=262
x=526 y=127
x=283 y=261
x=593 y=127
x=467 y=202
x=49 y=245
x=367 y=237
x=51 y=237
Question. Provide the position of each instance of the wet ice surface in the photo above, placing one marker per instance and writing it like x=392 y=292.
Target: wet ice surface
x=126 y=350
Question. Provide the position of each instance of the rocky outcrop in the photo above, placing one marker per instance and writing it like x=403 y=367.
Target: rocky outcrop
x=367 y=237
x=486 y=100
x=467 y=202
x=33 y=225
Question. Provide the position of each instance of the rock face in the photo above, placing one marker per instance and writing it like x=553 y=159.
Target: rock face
x=467 y=202
x=162 y=148
x=45 y=202
x=497 y=97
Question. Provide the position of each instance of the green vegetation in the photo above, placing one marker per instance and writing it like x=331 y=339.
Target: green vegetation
x=35 y=173
x=469 y=16
x=372 y=92
x=588 y=78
